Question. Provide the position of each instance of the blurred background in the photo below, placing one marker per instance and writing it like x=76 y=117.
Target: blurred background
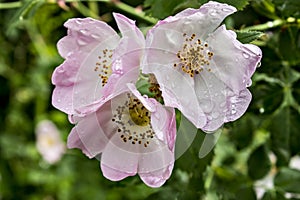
x=256 y=157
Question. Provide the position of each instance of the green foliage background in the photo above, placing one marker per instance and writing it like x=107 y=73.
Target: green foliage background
x=29 y=32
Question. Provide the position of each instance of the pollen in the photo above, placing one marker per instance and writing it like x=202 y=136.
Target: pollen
x=102 y=66
x=194 y=56
x=133 y=122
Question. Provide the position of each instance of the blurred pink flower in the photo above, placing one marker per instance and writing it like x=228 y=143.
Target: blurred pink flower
x=133 y=133
x=49 y=143
x=202 y=69
x=97 y=63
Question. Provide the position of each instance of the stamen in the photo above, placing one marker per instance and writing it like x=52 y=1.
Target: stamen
x=194 y=56
x=102 y=68
x=133 y=121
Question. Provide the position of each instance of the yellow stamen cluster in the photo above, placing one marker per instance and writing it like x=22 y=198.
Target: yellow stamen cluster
x=103 y=66
x=133 y=122
x=154 y=88
x=194 y=56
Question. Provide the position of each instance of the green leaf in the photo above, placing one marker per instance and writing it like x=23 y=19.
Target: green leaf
x=280 y=128
x=288 y=180
x=248 y=36
x=160 y=9
x=239 y=4
x=259 y=163
x=289 y=44
x=288 y=8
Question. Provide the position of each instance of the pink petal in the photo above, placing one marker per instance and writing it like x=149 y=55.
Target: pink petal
x=211 y=94
x=234 y=62
x=178 y=92
x=94 y=131
x=166 y=35
x=237 y=105
x=113 y=174
x=83 y=35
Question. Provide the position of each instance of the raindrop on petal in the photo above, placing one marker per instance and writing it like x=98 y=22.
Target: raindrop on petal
x=226 y=9
x=81 y=42
x=258 y=65
x=95 y=36
x=84 y=31
x=249 y=83
x=215 y=114
x=246 y=55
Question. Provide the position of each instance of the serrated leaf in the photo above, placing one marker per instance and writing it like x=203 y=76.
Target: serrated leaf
x=248 y=36
x=239 y=4
x=288 y=180
x=160 y=9
x=258 y=163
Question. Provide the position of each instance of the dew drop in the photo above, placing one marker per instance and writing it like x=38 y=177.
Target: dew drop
x=213 y=13
x=173 y=85
x=226 y=9
x=209 y=117
x=258 y=65
x=95 y=36
x=215 y=114
x=58 y=100
x=78 y=22
x=207 y=106
x=223 y=104
x=249 y=83
x=84 y=31
x=81 y=42
x=246 y=55
x=233 y=111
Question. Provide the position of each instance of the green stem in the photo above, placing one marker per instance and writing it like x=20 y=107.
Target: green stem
x=265 y=26
x=10 y=5
x=138 y=14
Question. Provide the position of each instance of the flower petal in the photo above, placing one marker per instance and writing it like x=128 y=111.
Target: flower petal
x=178 y=92
x=93 y=131
x=83 y=35
x=167 y=34
x=211 y=94
x=237 y=104
x=233 y=61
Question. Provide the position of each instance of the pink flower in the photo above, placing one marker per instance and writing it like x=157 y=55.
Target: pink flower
x=133 y=133
x=202 y=69
x=97 y=63
x=49 y=143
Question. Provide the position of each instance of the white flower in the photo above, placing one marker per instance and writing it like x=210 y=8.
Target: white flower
x=49 y=143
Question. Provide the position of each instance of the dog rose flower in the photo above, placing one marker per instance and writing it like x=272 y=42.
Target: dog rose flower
x=202 y=69
x=96 y=60
x=132 y=134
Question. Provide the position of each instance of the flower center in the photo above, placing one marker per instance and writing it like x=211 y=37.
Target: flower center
x=103 y=67
x=194 y=56
x=133 y=122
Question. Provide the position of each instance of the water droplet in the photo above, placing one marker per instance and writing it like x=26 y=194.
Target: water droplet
x=60 y=70
x=226 y=9
x=95 y=36
x=173 y=85
x=233 y=111
x=209 y=117
x=213 y=13
x=249 y=83
x=81 y=42
x=246 y=55
x=78 y=21
x=84 y=31
x=215 y=114
x=207 y=105
x=58 y=100
x=258 y=65
x=223 y=104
